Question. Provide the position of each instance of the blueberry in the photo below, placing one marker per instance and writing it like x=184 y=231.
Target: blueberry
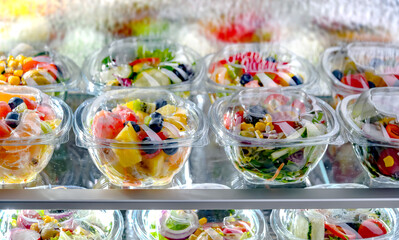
x=186 y=69
x=14 y=102
x=156 y=115
x=371 y=84
x=156 y=124
x=12 y=119
x=255 y=114
x=177 y=73
x=270 y=59
x=151 y=150
x=376 y=62
x=170 y=151
x=257 y=110
x=297 y=79
x=246 y=78
x=135 y=126
x=160 y=103
x=338 y=74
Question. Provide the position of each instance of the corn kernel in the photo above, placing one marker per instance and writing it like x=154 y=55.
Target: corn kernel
x=14 y=80
x=23 y=81
x=3 y=78
x=203 y=221
x=268 y=118
x=269 y=126
x=28 y=59
x=258 y=134
x=10 y=58
x=10 y=70
x=13 y=64
x=20 y=58
x=247 y=127
x=18 y=73
x=46 y=219
x=247 y=134
x=35 y=227
x=260 y=126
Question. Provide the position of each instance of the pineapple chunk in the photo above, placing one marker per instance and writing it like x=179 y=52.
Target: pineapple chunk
x=156 y=164
x=167 y=110
x=128 y=157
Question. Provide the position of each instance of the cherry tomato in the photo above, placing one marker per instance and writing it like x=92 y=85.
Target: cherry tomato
x=357 y=80
x=4 y=109
x=372 y=228
x=393 y=130
x=340 y=232
x=388 y=162
x=277 y=126
x=151 y=61
x=5 y=130
x=30 y=104
x=107 y=125
x=238 y=119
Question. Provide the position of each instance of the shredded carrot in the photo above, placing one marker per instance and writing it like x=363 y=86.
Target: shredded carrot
x=277 y=172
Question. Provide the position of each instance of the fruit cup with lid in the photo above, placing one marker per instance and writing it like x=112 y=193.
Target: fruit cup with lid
x=274 y=136
x=43 y=68
x=357 y=67
x=31 y=125
x=143 y=63
x=371 y=124
x=139 y=137
x=241 y=66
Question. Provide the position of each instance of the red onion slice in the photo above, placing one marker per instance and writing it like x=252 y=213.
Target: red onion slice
x=172 y=128
x=151 y=134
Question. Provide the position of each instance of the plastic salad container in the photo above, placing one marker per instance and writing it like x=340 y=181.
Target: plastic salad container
x=273 y=136
x=43 y=68
x=198 y=224
x=371 y=123
x=357 y=67
x=61 y=224
x=144 y=63
x=337 y=224
x=242 y=66
x=139 y=137
x=31 y=125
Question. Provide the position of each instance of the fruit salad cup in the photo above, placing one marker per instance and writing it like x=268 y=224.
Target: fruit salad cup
x=274 y=136
x=31 y=125
x=357 y=67
x=371 y=123
x=241 y=66
x=144 y=63
x=337 y=224
x=139 y=137
x=61 y=225
x=44 y=69
x=198 y=224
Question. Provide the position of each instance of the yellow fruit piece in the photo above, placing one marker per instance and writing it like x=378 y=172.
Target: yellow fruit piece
x=167 y=110
x=181 y=118
x=141 y=116
x=14 y=80
x=54 y=123
x=28 y=59
x=175 y=122
x=138 y=67
x=247 y=127
x=2 y=68
x=389 y=161
x=377 y=80
x=156 y=164
x=128 y=157
x=203 y=221
x=114 y=82
x=260 y=126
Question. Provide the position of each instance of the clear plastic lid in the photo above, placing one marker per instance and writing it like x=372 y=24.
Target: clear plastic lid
x=362 y=66
x=145 y=63
x=275 y=117
x=159 y=119
x=301 y=224
x=42 y=68
x=198 y=224
x=30 y=117
x=372 y=117
x=242 y=66
x=64 y=224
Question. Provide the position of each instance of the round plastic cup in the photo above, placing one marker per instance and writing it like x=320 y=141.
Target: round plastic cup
x=150 y=224
x=42 y=68
x=263 y=65
x=370 y=121
x=29 y=148
x=128 y=161
x=143 y=63
x=87 y=224
x=357 y=67
x=297 y=129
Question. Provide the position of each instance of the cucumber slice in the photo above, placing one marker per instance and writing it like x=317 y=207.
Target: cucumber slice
x=151 y=78
x=123 y=71
x=278 y=154
x=317 y=222
x=171 y=75
x=299 y=133
x=301 y=227
x=107 y=75
x=312 y=130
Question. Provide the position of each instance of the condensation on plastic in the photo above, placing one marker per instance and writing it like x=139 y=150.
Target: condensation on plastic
x=365 y=118
x=106 y=152
x=283 y=219
x=146 y=225
x=66 y=70
x=377 y=64
x=290 y=156
x=125 y=51
x=286 y=63
x=109 y=225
